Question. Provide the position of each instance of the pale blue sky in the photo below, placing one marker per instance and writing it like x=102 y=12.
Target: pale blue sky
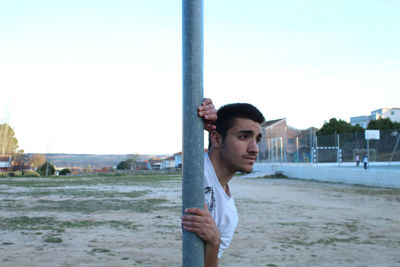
x=107 y=74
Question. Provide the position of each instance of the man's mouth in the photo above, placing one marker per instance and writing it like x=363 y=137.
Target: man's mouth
x=250 y=158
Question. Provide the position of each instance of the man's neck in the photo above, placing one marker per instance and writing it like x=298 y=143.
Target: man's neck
x=224 y=174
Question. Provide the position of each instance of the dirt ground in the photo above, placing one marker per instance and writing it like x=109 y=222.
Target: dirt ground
x=134 y=221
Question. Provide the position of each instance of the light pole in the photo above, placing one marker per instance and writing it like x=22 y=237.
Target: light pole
x=193 y=136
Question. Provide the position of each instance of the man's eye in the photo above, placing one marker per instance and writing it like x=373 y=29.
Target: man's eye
x=242 y=137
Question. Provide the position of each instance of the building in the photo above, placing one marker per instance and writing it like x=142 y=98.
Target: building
x=360 y=120
x=391 y=113
x=178 y=160
x=154 y=164
x=168 y=163
x=5 y=163
x=277 y=140
x=141 y=165
x=283 y=143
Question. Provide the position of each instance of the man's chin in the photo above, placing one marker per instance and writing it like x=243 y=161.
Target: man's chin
x=246 y=170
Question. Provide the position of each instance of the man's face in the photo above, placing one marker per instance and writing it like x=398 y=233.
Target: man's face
x=239 y=148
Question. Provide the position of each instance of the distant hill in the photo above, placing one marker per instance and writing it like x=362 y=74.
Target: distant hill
x=93 y=160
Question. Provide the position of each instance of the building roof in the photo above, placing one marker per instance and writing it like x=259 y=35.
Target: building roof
x=6 y=158
x=271 y=122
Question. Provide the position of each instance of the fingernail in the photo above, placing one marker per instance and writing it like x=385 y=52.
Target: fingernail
x=186 y=210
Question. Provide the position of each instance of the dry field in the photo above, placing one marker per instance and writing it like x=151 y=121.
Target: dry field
x=134 y=221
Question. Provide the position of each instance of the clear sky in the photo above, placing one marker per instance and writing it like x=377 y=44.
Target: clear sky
x=96 y=76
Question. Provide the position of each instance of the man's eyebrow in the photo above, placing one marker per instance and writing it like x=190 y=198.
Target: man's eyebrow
x=245 y=132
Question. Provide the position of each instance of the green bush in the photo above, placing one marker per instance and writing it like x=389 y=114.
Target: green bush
x=15 y=174
x=30 y=173
x=47 y=169
x=3 y=174
x=65 y=171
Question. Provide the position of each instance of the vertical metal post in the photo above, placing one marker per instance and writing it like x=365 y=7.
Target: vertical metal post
x=368 y=153
x=338 y=150
x=193 y=136
x=285 y=145
x=297 y=150
x=316 y=149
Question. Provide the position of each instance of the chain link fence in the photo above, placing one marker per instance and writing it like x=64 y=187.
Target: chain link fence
x=281 y=143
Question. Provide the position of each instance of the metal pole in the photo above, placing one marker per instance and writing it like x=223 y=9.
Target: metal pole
x=316 y=148
x=338 y=150
x=193 y=136
x=368 y=153
x=285 y=145
x=394 y=149
x=297 y=150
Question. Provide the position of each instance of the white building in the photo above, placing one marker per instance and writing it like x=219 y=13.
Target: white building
x=392 y=113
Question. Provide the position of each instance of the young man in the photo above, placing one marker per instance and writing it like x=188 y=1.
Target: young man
x=233 y=147
x=365 y=160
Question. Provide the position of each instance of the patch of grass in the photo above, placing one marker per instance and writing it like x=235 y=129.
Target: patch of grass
x=100 y=250
x=77 y=193
x=352 y=227
x=49 y=223
x=143 y=179
x=53 y=239
x=94 y=205
x=329 y=241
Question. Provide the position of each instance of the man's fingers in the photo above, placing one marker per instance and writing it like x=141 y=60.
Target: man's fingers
x=209 y=114
x=206 y=101
x=195 y=211
x=207 y=111
x=205 y=206
x=195 y=218
x=210 y=111
x=194 y=224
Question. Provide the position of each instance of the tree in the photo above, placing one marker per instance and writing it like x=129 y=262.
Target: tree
x=37 y=160
x=383 y=124
x=87 y=168
x=19 y=161
x=47 y=169
x=65 y=171
x=8 y=142
x=358 y=129
x=335 y=126
x=132 y=163
x=128 y=164
x=123 y=165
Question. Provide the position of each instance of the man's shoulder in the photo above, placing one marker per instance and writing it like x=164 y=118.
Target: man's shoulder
x=209 y=173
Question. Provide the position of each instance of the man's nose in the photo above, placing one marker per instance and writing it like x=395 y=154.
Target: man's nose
x=253 y=147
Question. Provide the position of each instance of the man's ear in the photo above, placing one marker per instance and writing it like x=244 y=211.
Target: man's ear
x=216 y=139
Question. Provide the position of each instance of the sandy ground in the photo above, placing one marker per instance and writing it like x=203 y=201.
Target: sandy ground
x=282 y=222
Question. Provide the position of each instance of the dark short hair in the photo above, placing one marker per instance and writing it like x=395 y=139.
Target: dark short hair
x=228 y=113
